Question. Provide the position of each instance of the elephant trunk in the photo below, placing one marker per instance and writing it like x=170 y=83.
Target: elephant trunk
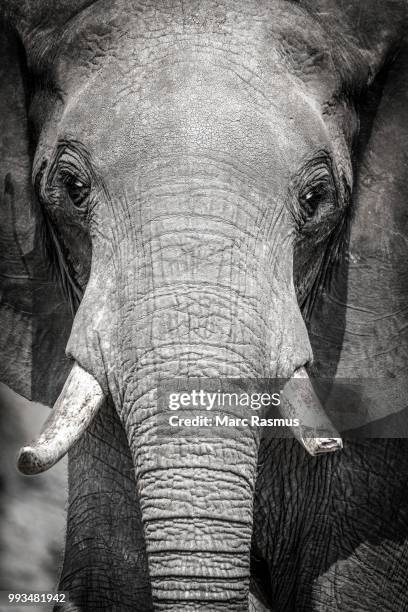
x=197 y=313
x=196 y=501
x=196 y=484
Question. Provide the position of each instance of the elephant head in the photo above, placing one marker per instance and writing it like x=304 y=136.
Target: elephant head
x=178 y=182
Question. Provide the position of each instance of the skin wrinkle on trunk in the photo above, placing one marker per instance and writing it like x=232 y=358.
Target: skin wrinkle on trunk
x=198 y=506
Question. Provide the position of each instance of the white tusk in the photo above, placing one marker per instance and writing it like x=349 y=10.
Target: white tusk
x=76 y=406
x=316 y=432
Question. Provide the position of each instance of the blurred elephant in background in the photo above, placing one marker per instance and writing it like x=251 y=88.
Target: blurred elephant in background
x=211 y=189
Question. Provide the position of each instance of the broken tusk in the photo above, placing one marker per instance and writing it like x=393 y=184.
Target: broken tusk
x=316 y=432
x=319 y=446
x=76 y=406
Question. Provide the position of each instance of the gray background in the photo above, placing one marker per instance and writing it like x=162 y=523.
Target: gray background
x=32 y=509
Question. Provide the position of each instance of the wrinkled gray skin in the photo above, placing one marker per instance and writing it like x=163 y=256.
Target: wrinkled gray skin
x=217 y=144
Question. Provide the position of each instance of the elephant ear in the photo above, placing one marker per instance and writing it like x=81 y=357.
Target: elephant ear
x=359 y=328
x=34 y=317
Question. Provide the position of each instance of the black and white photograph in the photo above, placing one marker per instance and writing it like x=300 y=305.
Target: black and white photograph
x=204 y=305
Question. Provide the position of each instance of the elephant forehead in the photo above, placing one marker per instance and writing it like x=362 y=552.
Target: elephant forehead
x=250 y=29
x=222 y=75
x=194 y=108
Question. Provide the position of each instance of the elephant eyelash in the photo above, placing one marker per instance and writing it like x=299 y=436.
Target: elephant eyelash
x=321 y=213
x=72 y=171
x=78 y=190
x=316 y=192
x=332 y=257
x=60 y=265
x=315 y=196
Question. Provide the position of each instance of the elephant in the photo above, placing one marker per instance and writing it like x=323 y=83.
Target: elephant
x=209 y=190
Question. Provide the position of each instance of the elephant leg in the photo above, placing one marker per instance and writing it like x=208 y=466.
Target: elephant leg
x=105 y=565
x=331 y=533
x=365 y=531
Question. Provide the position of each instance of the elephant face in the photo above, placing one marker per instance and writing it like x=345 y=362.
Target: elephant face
x=193 y=179
x=192 y=196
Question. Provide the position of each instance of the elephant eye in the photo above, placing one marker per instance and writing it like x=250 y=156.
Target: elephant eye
x=77 y=190
x=315 y=196
x=316 y=190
